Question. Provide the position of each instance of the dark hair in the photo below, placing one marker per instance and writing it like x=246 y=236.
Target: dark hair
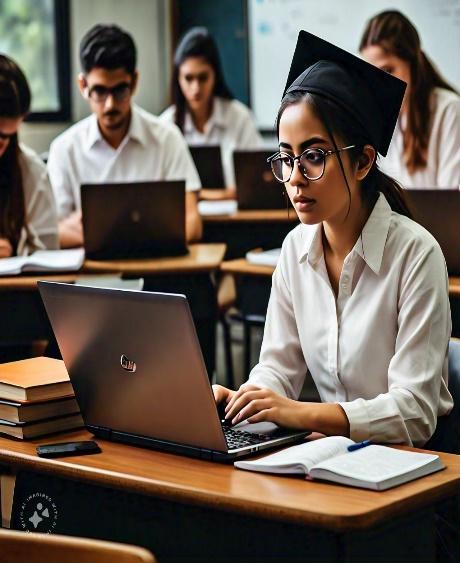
x=15 y=101
x=109 y=47
x=197 y=42
x=341 y=124
x=396 y=35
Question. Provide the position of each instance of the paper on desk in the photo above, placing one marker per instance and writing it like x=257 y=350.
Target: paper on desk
x=224 y=207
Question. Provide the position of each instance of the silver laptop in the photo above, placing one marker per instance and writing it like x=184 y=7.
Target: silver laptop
x=136 y=366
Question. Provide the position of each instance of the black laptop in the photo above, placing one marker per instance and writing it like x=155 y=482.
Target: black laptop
x=256 y=187
x=138 y=373
x=438 y=210
x=208 y=162
x=133 y=220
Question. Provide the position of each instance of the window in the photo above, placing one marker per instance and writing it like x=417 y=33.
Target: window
x=35 y=33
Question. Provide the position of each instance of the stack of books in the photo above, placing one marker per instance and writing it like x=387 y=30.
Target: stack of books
x=36 y=398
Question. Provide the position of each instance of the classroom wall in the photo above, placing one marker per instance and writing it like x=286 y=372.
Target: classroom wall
x=149 y=21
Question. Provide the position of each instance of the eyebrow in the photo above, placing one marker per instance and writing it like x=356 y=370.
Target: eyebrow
x=118 y=85
x=305 y=144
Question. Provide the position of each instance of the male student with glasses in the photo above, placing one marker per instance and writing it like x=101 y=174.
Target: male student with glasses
x=119 y=142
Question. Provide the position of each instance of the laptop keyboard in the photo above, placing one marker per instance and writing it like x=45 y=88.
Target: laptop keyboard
x=240 y=438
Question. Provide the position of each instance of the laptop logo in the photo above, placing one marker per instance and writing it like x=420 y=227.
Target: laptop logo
x=135 y=216
x=127 y=364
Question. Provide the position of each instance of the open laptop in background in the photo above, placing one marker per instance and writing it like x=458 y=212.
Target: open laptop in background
x=208 y=162
x=133 y=220
x=136 y=366
x=256 y=188
x=438 y=210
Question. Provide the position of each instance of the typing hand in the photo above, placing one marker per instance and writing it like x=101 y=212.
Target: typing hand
x=256 y=405
x=6 y=250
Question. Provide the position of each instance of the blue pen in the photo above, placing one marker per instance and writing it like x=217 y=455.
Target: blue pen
x=359 y=445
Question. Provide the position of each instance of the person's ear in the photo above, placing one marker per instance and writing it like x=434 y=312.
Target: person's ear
x=83 y=85
x=135 y=82
x=365 y=161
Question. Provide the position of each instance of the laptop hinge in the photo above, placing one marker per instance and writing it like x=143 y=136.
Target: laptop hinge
x=100 y=431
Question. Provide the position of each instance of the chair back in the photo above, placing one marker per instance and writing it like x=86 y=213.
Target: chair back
x=24 y=547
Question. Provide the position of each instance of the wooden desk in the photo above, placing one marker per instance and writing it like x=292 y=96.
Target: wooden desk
x=454 y=286
x=245 y=230
x=21 y=305
x=178 y=506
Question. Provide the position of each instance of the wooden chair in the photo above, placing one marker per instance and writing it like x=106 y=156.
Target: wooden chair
x=24 y=547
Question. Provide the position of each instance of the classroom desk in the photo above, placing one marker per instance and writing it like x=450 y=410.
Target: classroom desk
x=180 y=507
x=191 y=274
x=245 y=230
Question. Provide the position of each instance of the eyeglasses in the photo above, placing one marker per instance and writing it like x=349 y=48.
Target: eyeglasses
x=119 y=93
x=311 y=163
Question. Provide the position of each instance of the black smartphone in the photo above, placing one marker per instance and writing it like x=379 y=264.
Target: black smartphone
x=64 y=449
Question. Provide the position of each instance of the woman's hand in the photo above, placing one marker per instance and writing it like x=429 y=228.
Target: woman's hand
x=222 y=394
x=6 y=250
x=256 y=405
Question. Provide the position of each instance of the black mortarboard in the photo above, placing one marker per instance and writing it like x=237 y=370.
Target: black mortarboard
x=372 y=96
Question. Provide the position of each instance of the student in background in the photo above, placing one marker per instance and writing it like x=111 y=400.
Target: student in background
x=359 y=296
x=203 y=106
x=28 y=219
x=425 y=151
x=119 y=142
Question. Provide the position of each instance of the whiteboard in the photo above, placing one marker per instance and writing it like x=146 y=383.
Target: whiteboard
x=274 y=25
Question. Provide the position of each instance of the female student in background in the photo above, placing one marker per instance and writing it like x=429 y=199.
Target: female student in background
x=359 y=297
x=203 y=107
x=28 y=219
x=425 y=151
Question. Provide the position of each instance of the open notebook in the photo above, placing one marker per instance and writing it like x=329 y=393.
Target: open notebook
x=373 y=467
x=44 y=261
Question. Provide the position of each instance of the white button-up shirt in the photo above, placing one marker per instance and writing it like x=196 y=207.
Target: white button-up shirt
x=379 y=349
x=230 y=125
x=40 y=231
x=150 y=151
x=443 y=159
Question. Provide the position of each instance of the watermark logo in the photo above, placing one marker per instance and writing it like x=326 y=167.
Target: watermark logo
x=38 y=514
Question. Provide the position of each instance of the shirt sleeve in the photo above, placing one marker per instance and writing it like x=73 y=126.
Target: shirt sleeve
x=41 y=228
x=59 y=175
x=179 y=163
x=448 y=147
x=281 y=366
x=407 y=413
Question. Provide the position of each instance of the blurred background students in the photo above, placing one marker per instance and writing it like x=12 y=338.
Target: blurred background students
x=424 y=152
x=203 y=106
x=119 y=142
x=28 y=219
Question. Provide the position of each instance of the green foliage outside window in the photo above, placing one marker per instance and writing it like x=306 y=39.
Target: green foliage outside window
x=27 y=35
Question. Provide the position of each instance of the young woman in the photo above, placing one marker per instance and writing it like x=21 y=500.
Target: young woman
x=359 y=297
x=28 y=220
x=424 y=152
x=203 y=107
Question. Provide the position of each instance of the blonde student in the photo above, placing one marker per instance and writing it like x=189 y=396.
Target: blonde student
x=202 y=105
x=425 y=151
x=119 y=141
x=28 y=219
x=359 y=296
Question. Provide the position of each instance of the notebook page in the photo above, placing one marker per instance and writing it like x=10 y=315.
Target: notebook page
x=304 y=455
x=376 y=463
x=55 y=260
x=12 y=266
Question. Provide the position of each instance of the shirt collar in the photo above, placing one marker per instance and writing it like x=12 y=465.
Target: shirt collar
x=136 y=130
x=370 y=245
x=217 y=118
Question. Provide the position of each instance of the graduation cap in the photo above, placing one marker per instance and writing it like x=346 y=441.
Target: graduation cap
x=372 y=96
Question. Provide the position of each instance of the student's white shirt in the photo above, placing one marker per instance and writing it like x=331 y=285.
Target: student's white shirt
x=230 y=125
x=150 y=151
x=443 y=158
x=379 y=349
x=40 y=231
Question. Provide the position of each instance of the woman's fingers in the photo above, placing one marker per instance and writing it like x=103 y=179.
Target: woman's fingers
x=237 y=394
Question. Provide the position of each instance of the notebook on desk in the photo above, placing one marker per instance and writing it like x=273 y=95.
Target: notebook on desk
x=137 y=381
x=208 y=162
x=438 y=210
x=256 y=187
x=133 y=220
